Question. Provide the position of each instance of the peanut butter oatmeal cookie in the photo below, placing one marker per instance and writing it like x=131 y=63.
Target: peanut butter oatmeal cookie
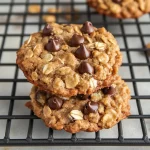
x=102 y=109
x=67 y=60
x=121 y=8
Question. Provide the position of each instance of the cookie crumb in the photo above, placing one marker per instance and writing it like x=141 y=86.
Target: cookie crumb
x=54 y=10
x=70 y=17
x=51 y=18
x=34 y=9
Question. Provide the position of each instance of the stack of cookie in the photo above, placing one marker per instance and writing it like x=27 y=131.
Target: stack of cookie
x=74 y=71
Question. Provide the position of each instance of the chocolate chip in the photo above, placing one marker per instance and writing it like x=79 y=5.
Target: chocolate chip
x=109 y=90
x=76 y=40
x=85 y=68
x=53 y=45
x=55 y=102
x=47 y=30
x=82 y=52
x=117 y=1
x=90 y=107
x=87 y=27
x=82 y=96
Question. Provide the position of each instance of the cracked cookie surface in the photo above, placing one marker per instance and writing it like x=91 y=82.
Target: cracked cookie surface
x=73 y=59
x=121 y=8
x=102 y=109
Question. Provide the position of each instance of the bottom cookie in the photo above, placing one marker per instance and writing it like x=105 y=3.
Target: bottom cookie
x=103 y=109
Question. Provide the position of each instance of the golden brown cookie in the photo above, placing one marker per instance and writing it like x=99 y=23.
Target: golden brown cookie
x=102 y=109
x=73 y=59
x=121 y=8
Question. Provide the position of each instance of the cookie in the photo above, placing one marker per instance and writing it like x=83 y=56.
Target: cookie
x=67 y=60
x=102 y=109
x=121 y=8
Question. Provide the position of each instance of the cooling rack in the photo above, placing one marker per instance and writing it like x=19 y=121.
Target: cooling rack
x=19 y=126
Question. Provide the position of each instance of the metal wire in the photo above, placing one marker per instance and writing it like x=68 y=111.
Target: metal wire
x=50 y=140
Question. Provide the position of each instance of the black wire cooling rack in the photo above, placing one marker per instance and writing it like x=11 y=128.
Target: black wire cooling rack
x=135 y=59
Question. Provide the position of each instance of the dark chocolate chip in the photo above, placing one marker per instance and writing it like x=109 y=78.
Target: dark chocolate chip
x=82 y=96
x=87 y=27
x=76 y=40
x=53 y=45
x=47 y=30
x=85 y=68
x=90 y=107
x=109 y=90
x=55 y=102
x=82 y=53
x=117 y=1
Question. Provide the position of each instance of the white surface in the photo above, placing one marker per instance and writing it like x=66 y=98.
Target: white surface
x=131 y=127
x=79 y=147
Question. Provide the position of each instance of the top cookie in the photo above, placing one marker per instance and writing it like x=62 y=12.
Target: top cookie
x=121 y=8
x=67 y=60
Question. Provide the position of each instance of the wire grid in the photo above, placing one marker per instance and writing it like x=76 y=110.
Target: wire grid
x=19 y=126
